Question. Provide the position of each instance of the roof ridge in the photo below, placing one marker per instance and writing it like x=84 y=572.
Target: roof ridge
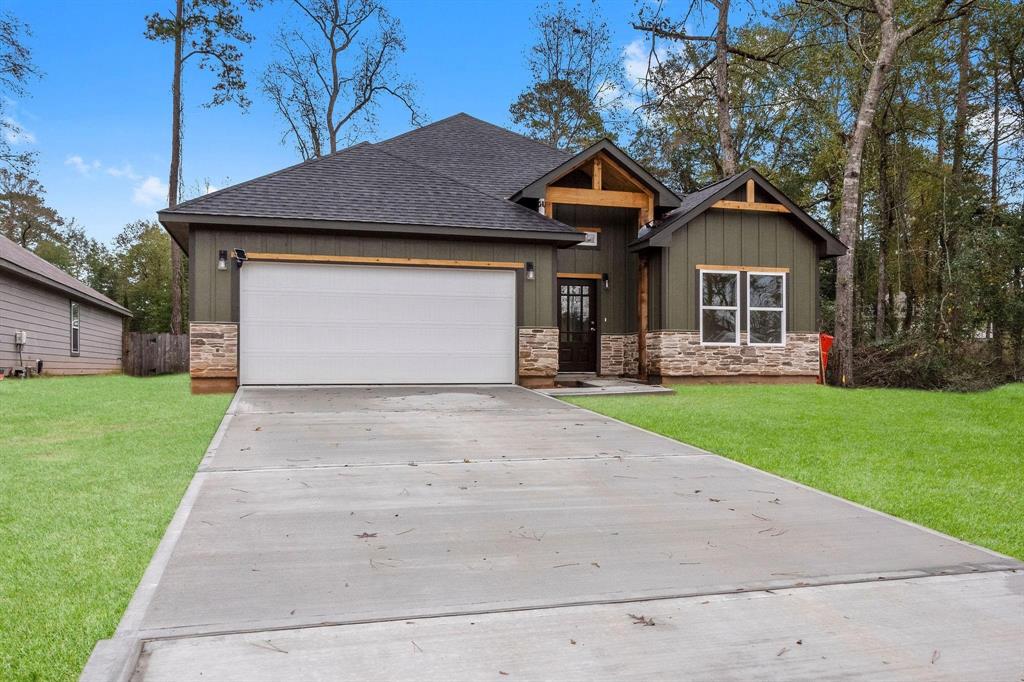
x=469 y=187
x=304 y=162
x=525 y=137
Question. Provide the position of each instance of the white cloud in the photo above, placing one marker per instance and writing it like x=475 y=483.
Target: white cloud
x=15 y=133
x=150 y=192
x=81 y=165
x=125 y=170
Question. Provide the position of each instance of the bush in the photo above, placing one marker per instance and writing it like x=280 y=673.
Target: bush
x=912 y=362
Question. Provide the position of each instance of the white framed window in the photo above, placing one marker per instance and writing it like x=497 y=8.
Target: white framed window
x=719 y=307
x=766 y=308
x=76 y=331
x=589 y=237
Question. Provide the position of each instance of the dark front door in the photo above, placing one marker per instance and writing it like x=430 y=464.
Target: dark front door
x=577 y=325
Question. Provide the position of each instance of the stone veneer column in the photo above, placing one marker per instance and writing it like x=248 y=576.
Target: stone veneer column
x=538 y=356
x=680 y=354
x=213 y=356
x=618 y=355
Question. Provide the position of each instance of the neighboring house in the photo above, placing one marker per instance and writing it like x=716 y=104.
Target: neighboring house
x=48 y=315
x=461 y=252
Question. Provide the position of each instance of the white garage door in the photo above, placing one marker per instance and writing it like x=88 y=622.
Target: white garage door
x=311 y=323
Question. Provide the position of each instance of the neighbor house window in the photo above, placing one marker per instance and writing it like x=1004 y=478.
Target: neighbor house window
x=719 y=307
x=75 y=329
x=766 y=308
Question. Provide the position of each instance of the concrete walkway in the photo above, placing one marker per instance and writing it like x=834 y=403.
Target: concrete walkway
x=492 y=532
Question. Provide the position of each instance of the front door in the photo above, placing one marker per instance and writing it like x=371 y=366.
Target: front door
x=577 y=325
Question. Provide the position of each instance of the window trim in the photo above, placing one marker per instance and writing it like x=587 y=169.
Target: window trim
x=701 y=307
x=783 y=309
x=75 y=324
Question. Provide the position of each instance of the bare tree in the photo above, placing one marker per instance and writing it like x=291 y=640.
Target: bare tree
x=16 y=69
x=327 y=80
x=721 y=50
x=208 y=31
x=577 y=78
x=888 y=35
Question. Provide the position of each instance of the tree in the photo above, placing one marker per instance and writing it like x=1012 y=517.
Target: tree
x=577 y=76
x=327 y=83
x=24 y=216
x=142 y=275
x=16 y=69
x=209 y=31
x=879 y=23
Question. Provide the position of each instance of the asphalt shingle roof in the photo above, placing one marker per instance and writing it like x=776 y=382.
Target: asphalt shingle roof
x=368 y=183
x=480 y=154
x=22 y=258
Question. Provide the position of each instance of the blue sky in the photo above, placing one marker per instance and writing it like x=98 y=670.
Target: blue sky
x=99 y=118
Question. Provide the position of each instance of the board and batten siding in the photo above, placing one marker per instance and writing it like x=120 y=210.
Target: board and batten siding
x=747 y=238
x=46 y=315
x=213 y=292
x=616 y=306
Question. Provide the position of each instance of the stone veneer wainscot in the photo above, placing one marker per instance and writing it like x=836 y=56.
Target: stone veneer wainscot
x=538 y=353
x=618 y=355
x=213 y=350
x=680 y=353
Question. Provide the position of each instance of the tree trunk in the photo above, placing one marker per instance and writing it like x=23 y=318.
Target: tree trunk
x=729 y=161
x=960 y=120
x=995 y=135
x=175 y=170
x=888 y=44
x=885 y=224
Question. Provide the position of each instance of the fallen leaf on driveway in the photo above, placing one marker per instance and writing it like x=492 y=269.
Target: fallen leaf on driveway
x=641 y=620
x=366 y=535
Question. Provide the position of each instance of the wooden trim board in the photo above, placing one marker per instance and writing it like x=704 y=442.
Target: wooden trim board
x=375 y=260
x=580 y=275
x=749 y=206
x=590 y=197
x=741 y=268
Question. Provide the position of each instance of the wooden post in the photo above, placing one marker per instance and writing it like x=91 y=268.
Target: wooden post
x=750 y=191
x=596 y=178
x=641 y=314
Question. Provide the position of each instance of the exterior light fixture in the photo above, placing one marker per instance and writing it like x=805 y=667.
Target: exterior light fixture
x=222 y=259
x=604 y=279
x=531 y=274
x=240 y=257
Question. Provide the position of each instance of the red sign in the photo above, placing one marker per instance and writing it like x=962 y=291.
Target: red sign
x=824 y=345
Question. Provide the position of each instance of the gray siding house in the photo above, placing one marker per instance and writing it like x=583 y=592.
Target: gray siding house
x=47 y=315
x=461 y=252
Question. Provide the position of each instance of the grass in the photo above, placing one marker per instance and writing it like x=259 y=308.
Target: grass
x=948 y=461
x=91 y=471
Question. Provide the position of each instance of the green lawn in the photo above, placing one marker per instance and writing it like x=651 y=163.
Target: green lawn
x=91 y=470
x=952 y=462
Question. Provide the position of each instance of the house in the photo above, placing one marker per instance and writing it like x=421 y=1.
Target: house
x=461 y=252
x=49 y=319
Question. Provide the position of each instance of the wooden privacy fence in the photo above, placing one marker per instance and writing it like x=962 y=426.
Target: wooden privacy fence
x=149 y=354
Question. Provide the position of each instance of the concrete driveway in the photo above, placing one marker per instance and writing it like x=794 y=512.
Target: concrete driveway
x=492 y=533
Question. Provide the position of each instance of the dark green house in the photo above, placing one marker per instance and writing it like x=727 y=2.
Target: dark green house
x=461 y=252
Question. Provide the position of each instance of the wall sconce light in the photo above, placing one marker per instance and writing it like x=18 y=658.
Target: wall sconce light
x=222 y=259
x=604 y=279
x=531 y=274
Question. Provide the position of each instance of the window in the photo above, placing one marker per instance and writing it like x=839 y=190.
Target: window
x=719 y=307
x=75 y=329
x=766 y=309
x=589 y=237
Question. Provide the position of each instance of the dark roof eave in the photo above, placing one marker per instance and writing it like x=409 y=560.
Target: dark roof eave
x=536 y=189
x=567 y=236
x=44 y=281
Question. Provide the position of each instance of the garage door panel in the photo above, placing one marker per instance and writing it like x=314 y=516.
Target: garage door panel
x=316 y=323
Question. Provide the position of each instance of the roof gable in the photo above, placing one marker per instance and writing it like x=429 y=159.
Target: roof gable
x=17 y=259
x=663 y=195
x=485 y=156
x=695 y=203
